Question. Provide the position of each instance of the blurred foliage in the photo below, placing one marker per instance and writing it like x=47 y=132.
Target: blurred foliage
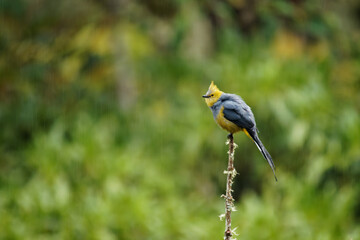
x=105 y=135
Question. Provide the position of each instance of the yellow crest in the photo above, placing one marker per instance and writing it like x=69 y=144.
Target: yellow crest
x=213 y=87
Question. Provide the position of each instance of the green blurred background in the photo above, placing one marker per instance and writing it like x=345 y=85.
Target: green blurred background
x=104 y=134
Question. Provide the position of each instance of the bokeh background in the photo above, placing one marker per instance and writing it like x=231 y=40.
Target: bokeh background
x=104 y=134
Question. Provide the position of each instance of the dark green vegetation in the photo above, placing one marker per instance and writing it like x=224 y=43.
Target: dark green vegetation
x=104 y=134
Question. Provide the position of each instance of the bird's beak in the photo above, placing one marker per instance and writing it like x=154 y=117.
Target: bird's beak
x=205 y=96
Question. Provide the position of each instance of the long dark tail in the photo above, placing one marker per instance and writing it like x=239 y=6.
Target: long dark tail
x=254 y=136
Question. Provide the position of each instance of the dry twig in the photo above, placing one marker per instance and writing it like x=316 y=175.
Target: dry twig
x=229 y=200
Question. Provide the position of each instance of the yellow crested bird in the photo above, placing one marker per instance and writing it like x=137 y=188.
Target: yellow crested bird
x=233 y=114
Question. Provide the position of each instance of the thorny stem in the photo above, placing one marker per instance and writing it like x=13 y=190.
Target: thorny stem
x=229 y=200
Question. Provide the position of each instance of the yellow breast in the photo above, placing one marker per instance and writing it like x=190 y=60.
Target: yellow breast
x=226 y=124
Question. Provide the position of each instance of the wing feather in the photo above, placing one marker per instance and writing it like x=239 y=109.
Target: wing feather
x=239 y=113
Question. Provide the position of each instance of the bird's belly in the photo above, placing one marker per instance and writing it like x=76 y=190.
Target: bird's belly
x=226 y=124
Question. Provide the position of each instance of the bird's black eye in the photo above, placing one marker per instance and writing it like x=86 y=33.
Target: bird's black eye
x=211 y=95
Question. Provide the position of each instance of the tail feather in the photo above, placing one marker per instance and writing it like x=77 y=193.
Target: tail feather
x=253 y=135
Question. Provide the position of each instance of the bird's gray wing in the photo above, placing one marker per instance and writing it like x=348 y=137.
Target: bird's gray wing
x=239 y=113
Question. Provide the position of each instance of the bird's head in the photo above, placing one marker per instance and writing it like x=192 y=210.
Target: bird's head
x=212 y=95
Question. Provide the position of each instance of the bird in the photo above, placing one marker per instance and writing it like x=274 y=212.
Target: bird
x=232 y=114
